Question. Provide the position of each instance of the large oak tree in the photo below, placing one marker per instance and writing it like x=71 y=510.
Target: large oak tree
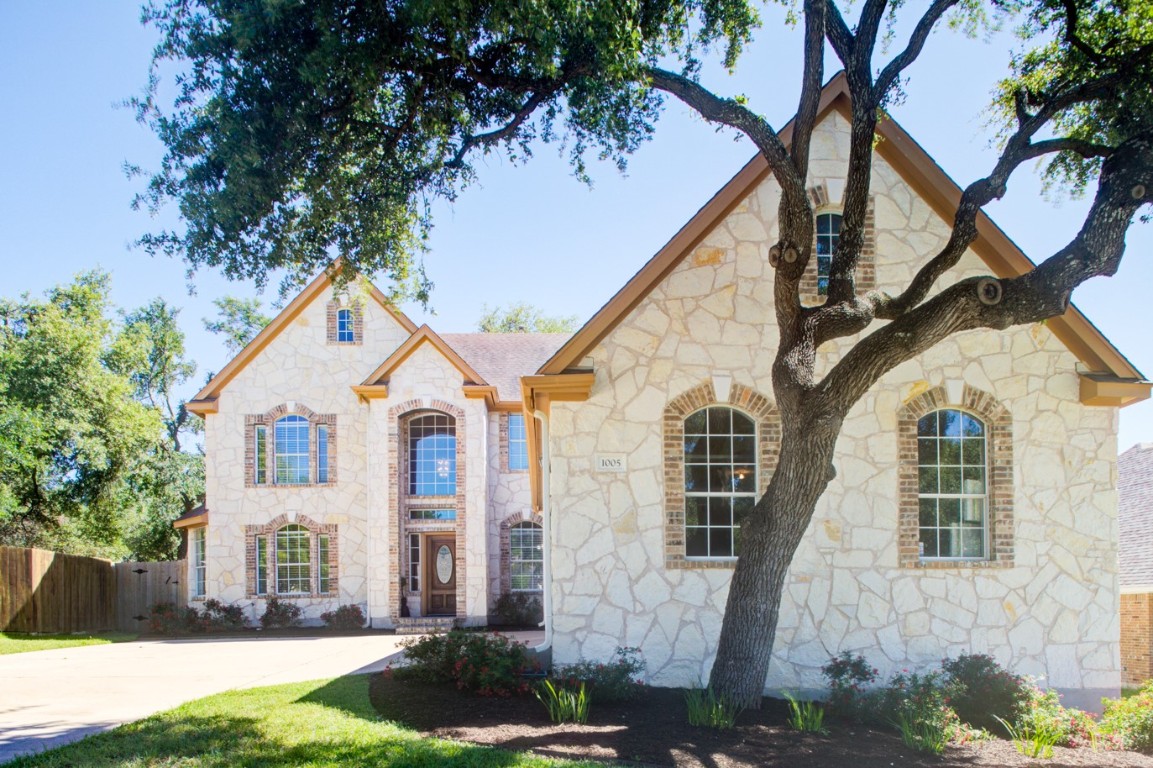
x=304 y=130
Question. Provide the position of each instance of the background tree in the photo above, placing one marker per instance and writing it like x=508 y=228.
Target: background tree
x=306 y=130
x=523 y=318
x=238 y=321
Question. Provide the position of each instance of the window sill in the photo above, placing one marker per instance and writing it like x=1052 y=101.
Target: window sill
x=937 y=565
x=681 y=563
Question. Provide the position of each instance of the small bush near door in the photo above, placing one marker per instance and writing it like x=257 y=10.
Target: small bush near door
x=346 y=617
x=519 y=609
x=490 y=665
x=278 y=613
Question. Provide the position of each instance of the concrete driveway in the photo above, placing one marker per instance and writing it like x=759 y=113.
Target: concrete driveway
x=49 y=698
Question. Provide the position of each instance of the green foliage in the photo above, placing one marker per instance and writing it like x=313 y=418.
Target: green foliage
x=168 y=619
x=923 y=732
x=1129 y=720
x=346 y=617
x=15 y=642
x=487 y=664
x=523 y=318
x=1033 y=739
x=1041 y=713
x=519 y=609
x=918 y=705
x=848 y=676
x=617 y=680
x=279 y=614
x=563 y=705
x=238 y=321
x=709 y=709
x=805 y=716
x=220 y=617
x=985 y=695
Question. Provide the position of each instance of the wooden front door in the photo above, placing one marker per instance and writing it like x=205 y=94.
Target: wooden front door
x=440 y=576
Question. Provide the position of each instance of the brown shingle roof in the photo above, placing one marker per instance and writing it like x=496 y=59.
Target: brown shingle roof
x=1135 y=515
x=502 y=358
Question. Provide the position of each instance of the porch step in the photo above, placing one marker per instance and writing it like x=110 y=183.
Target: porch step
x=424 y=625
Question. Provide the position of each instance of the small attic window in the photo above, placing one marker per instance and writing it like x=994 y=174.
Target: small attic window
x=345 y=330
x=345 y=323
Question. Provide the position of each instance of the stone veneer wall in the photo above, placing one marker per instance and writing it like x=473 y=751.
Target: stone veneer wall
x=1137 y=638
x=1053 y=612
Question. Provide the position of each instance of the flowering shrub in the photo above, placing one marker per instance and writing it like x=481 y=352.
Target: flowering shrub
x=280 y=614
x=1129 y=721
x=488 y=664
x=918 y=705
x=848 y=676
x=983 y=693
x=167 y=619
x=344 y=618
x=1042 y=712
x=617 y=680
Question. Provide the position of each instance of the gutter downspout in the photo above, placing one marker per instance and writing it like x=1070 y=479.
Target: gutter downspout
x=546 y=533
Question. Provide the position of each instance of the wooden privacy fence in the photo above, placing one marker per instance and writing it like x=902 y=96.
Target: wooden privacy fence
x=42 y=591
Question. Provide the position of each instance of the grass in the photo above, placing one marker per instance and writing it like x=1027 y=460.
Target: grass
x=321 y=723
x=11 y=642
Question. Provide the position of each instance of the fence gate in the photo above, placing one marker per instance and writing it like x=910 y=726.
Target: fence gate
x=139 y=586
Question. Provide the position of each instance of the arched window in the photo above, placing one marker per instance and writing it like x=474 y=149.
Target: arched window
x=291 y=440
x=293 y=560
x=720 y=453
x=345 y=330
x=526 y=557
x=432 y=455
x=952 y=486
x=828 y=235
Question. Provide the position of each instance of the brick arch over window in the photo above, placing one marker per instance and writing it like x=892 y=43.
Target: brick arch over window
x=866 y=265
x=315 y=530
x=742 y=398
x=999 y=462
x=398 y=416
x=506 y=526
x=268 y=421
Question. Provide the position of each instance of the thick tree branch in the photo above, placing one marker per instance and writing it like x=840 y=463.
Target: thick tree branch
x=507 y=131
x=839 y=34
x=1071 y=21
x=912 y=50
x=812 y=81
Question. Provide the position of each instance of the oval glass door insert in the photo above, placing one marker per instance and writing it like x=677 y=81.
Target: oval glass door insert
x=444 y=564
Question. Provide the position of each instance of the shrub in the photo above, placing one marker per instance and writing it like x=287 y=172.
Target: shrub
x=848 y=677
x=563 y=705
x=1042 y=714
x=167 y=619
x=918 y=706
x=984 y=694
x=1035 y=740
x=219 y=617
x=278 y=613
x=345 y=617
x=490 y=665
x=519 y=609
x=710 y=710
x=1129 y=721
x=617 y=680
x=805 y=716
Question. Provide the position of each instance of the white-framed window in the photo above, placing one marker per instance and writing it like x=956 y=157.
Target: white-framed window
x=292 y=458
x=293 y=560
x=720 y=452
x=260 y=451
x=198 y=560
x=828 y=235
x=432 y=455
x=261 y=543
x=322 y=454
x=414 y=562
x=952 y=486
x=517 y=443
x=345 y=329
x=323 y=583
x=526 y=557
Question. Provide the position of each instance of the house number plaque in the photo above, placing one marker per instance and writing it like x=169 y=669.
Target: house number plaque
x=444 y=564
x=611 y=462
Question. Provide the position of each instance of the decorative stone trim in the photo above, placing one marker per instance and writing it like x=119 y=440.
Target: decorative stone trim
x=742 y=398
x=506 y=525
x=866 y=264
x=399 y=526
x=269 y=530
x=268 y=420
x=999 y=460
x=331 y=335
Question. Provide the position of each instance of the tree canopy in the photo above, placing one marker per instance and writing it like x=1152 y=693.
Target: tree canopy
x=238 y=321
x=523 y=318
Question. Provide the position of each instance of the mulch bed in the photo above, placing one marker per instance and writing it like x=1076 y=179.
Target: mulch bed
x=653 y=730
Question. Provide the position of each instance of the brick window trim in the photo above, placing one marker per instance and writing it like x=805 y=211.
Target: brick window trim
x=866 y=264
x=506 y=527
x=268 y=421
x=399 y=526
x=999 y=457
x=315 y=530
x=332 y=326
x=741 y=398
x=503 y=441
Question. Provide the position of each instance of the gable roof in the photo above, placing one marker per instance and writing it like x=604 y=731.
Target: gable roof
x=928 y=179
x=423 y=335
x=502 y=358
x=1135 y=516
x=205 y=400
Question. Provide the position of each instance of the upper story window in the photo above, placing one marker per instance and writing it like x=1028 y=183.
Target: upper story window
x=720 y=459
x=526 y=557
x=952 y=485
x=345 y=330
x=828 y=235
x=517 y=443
x=292 y=455
x=432 y=455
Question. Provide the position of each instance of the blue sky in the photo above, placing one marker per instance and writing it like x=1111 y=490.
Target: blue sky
x=65 y=201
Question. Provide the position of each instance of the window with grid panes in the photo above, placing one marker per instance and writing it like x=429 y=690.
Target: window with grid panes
x=293 y=560
x=526 y=557
x=720 y=447
x=432 y=455
x=345 y=329
x=291 y=440
x=828 y=235
x=517 y=443
x=952 y=487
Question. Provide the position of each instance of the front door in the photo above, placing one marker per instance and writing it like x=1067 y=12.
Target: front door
x=440 y=576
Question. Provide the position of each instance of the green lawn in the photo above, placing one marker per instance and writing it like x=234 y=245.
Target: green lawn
x=11 y=642
x=321 y=723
